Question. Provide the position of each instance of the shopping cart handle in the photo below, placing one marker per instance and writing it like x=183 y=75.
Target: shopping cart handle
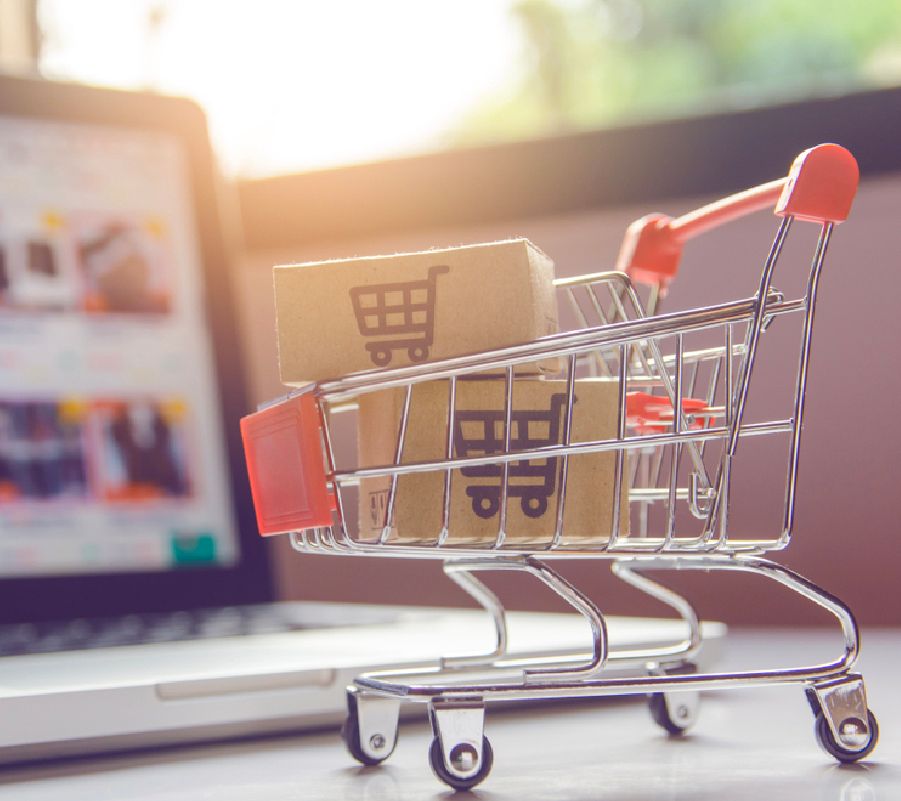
x=820 y=187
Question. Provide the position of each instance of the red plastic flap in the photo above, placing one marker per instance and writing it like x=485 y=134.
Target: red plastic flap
x=283 y=449
x=821 y=185
x=653 y=414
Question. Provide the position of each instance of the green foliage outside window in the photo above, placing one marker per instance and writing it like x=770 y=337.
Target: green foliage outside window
x=589 y=63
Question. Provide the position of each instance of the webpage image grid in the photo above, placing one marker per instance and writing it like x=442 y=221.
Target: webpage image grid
x=110 y=433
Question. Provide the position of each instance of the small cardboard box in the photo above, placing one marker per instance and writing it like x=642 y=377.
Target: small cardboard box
x=539 y=413
x=339 y=317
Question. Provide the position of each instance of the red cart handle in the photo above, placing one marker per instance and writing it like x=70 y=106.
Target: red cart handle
x=820 y=187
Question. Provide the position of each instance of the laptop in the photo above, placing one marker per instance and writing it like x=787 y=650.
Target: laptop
x=136 y=597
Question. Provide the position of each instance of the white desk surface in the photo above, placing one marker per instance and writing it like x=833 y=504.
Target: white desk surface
x=748 y=744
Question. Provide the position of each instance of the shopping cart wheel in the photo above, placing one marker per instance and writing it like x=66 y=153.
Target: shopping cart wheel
x=675 y=712
x=458 y=728
x=671 y=712
x=462 y=754
x=370 y=728
x=839 y=707
x=828 y=743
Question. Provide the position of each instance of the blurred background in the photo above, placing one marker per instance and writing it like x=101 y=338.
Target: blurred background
x=349 y=128
x=291 y=86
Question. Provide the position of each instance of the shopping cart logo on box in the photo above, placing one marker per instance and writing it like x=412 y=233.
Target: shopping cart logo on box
x=398 y=315
x=378 y=507
x=532 y=481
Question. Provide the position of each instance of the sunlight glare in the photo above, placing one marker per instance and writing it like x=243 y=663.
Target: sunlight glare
x=297 y=85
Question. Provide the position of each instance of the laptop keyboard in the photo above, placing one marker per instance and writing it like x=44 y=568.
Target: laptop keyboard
x=37 y=638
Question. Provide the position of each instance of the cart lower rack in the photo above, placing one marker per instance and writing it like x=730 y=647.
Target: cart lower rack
x=681 y=383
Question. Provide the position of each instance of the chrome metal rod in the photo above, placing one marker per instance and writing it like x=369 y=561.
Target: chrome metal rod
x=572 y=596
x=417 y=684
x=755 y=326
x=691 y=645
x=597 y=364
x=801 y=386
x=603 y=320
x=330 y=462
x=398 y=459
x=564 y=461
x=616 y=522
x=676 y=448
x=505 y=480
x=582 y=604
x=552 y=451
x=551 y=346
x=477 y=590
x=449 y=454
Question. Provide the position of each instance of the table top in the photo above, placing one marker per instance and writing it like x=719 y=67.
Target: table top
x=754 y=743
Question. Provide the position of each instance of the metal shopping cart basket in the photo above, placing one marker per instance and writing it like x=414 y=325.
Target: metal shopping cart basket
x=682 y=382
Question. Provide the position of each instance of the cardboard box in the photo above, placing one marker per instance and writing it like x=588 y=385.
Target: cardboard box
x=339 y=317
x=539 y=410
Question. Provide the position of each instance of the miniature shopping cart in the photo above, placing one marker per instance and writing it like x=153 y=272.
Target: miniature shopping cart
x=532 y=481
x=397 y=316
x=683 y=382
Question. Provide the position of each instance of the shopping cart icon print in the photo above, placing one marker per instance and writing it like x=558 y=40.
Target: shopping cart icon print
x=397 y=316
x=481 y=433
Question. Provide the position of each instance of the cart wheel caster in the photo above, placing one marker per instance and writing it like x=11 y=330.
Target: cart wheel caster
x=828 y=743
x=675 y=712
x=839 y=707
x=671 y=713
x=378 y=747
x=462 y=754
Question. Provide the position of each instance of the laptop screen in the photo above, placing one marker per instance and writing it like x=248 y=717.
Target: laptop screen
x=111 y=455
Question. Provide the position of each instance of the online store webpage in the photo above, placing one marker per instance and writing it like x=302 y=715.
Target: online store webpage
x=111 y=454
